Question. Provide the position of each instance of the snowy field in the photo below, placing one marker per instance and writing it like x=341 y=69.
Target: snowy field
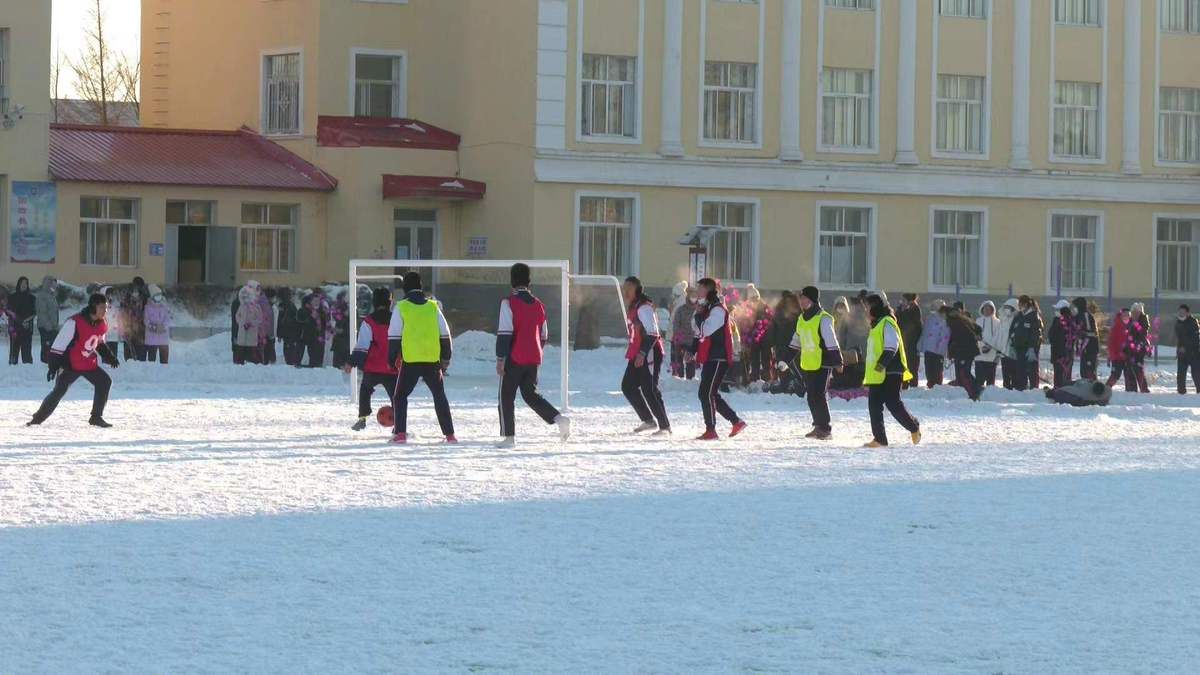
x=231 y=521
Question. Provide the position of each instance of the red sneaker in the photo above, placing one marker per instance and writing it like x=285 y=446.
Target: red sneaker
x=738 y=427
x=399 y=439
x=451 y=439
x=709 y=435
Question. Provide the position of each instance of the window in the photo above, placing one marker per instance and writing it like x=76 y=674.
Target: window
x=1179 y=124
x=108 y=232
x=608 y=100
x=606 y=235
x=1178 y=255
x=851 y=4
x=267 y=239
x=731 y=250
x=189 y=213
x=1180 y=16
x=843 y=246
x=846 y=109
x=3 y=70
x=1077 y=119
x=378 y=85
x=281 y=94
x=1073 y=248
x=960 y=114
x=1077 y=12
x=975 y=9
x=729 y=102
x=957 y=248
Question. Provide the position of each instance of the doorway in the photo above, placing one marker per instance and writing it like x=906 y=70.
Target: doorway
x=193 y=255
x=416 y=239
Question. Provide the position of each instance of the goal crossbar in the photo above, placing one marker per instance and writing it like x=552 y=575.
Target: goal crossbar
x=564 y=267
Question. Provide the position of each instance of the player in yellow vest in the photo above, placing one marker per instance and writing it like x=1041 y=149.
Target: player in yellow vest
x=820 y=354
x=419 y=344
x=886 y=372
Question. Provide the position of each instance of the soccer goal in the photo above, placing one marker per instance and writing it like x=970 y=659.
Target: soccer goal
x=385 y=271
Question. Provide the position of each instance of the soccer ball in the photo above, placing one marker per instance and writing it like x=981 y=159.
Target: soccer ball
x=386 y=416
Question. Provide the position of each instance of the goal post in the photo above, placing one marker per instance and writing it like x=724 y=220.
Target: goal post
x=374 y=270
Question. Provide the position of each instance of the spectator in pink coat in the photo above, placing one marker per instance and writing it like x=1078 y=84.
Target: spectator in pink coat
x=157 y=318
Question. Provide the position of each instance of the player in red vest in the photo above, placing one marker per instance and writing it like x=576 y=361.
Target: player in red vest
x=371 y=355
x=73 y=356
x=713 y=349
x=645 y=357
x=520 y=337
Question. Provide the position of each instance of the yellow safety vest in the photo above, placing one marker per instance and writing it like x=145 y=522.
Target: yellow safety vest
x=875 y=350
x=809 y=331
x=421 y=341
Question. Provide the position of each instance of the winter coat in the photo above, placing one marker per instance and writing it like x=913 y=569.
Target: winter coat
x=992 y=343
x=1026 y=332
x=1116 y=339
x=158 y=324
x=963 y=344
x=288 y=325
x=783 y=327
x=682 y=330
x=909 y=319
x=133 y=328
x=935 y=335
x=1187 y=338
x=22 y=305
x=1006 y=322
x=268 y=318
x=1087 y=336
x=1061 y=336
x=1137 y=339
x=251 y=321
x=46 y=299
x=113 y=318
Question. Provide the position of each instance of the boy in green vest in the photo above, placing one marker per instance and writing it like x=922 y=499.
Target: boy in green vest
x=820 y=354
x=886 y=372
x=419 y=345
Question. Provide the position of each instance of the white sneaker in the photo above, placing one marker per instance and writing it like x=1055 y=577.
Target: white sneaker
x=661 y=433
x=564 y=426
x=645 y=426
x=507 y=443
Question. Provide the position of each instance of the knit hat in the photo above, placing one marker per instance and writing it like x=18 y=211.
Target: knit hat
x=812 y=293
x=752 y=292
x=1062 y=304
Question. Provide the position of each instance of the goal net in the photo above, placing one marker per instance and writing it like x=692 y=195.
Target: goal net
x=470 y=292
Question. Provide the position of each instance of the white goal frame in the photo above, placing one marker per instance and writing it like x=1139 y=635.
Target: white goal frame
x=563 y=266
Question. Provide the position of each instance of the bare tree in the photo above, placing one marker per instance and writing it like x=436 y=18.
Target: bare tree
x=129 y=82
x=102 y=77
x=55 y=81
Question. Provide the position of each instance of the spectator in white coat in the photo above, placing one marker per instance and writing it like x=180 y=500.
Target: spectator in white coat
x=991 y=345
x=1008 y=366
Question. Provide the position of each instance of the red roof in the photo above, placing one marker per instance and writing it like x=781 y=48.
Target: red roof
x=383 y=132
x=432 y=187
x=237 y=159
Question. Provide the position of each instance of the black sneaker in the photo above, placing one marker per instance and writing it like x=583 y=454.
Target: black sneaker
x=33 y=422
x=823 y=434
x=98 y=421
x=359 y=425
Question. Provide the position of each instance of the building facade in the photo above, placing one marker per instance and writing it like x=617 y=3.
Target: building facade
x=937 y=146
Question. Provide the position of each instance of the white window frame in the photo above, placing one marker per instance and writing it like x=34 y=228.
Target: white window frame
x=1191 y=9
x=820 y=85
x=1097 y=263
x=93 y=221
x=985 y=118
x=1159 y=119
x=262 y=91
x=294 y=228
x=638 y=85
x=1101 y=123
x=852 y=5
x=1154 y=254
x=983 y=245
x=872 y=241
x=755 y=229
x=1100 y=14
x=759 y=70
x=873 y=121
x=984 y=9
x=740 y=91
x=352 y=77
x=635 y=228
x=633 y=88
x=187 y=207
x=5 y=57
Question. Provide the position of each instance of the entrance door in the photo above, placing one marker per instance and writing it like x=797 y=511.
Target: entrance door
x=193 y=255
x=416 y=239
x=221 y=255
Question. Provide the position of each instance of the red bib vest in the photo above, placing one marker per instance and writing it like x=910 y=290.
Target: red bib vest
x=633 y=325
x=715 y=346
x=81 y=353
x=527 y=318
x=377 y=354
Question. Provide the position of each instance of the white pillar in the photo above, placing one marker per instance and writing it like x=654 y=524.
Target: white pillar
x=789 y=105
x=1022 y=28
x=906 y=94
x=1131 y=161
x=672 y=81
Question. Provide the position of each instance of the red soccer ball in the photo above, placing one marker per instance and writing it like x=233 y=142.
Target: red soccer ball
x=386 y=416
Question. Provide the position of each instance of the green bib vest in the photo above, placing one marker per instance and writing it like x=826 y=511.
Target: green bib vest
x=421 y=341
x=809 y=331
x=875 y=350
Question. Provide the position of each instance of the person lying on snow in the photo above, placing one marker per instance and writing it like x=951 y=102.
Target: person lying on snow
x=1081 y=393
x=73 y=356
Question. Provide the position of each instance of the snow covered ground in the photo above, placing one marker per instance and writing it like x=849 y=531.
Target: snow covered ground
x=231 y=521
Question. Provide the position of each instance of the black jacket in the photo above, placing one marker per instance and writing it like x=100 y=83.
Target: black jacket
x=1187 y=338
x=23 y=304
x=911 y=326
x=1026 y=331
x=1056 y=335
x=964 y=337
x=288 y=328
